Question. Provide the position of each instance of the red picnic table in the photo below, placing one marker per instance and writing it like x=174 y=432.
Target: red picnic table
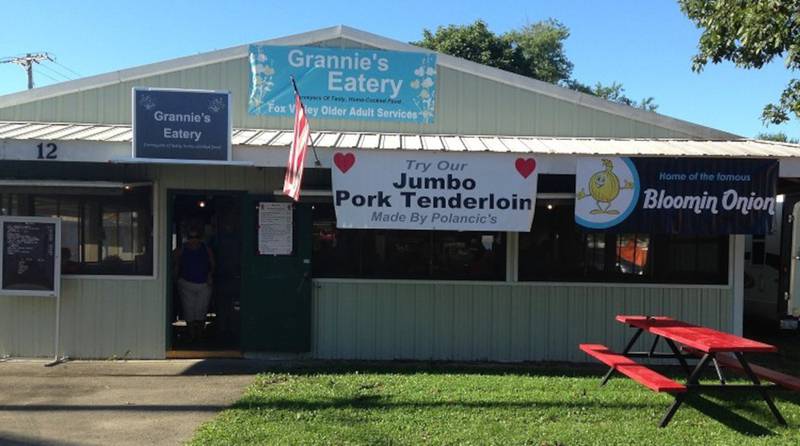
x=706 y=345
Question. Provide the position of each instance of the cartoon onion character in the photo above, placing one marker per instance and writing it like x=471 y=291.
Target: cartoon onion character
x=604 y=187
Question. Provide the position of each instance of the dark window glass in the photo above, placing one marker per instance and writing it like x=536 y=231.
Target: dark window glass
x=103 y=231
x=556 y=249
x=394 y=254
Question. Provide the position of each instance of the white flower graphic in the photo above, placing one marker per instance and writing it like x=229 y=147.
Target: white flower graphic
x=425 y=82
x=262 y=73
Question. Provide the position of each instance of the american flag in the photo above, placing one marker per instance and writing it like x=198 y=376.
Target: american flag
x=297 y=154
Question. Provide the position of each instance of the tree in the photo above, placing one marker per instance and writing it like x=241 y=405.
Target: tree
x=614 y=92
x=542 y=48
x=535 y=50
x=750 y=34
x=477 y=43
x=779 y=137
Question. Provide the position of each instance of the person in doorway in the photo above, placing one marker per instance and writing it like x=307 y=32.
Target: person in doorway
x=194 y=267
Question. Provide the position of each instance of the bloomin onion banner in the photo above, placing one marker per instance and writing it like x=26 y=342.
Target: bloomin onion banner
x=432 y=190
x=343 y=83
x=701 y=196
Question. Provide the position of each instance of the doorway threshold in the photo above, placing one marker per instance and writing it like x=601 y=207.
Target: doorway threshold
x=203 y=354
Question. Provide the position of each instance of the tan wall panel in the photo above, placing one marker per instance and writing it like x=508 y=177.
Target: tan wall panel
x=466 y=104
x=492 y=322
x=108 y=318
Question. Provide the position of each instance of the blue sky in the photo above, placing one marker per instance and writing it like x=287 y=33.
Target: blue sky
x=646 y=45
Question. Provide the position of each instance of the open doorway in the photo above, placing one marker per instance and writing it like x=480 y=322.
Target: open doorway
x=772 y=273
x=205 y=271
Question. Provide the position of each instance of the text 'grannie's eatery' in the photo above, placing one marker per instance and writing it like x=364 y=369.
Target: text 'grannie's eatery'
x=448 y=211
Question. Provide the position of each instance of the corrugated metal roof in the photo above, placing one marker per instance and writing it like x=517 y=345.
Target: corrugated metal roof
x=456 y=143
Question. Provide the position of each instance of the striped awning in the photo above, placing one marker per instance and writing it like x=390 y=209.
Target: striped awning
x=739 y=148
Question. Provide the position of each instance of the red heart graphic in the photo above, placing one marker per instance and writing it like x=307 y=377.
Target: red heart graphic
x=525 y=166
x=344 y=161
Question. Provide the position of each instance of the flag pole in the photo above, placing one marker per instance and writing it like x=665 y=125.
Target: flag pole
x=310 y=140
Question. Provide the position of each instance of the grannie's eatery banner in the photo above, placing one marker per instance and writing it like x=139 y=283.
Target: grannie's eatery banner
x=343 y=83
x=700 y=196
x=433 y=190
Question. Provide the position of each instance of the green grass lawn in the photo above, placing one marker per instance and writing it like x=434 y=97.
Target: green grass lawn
x=486 y=406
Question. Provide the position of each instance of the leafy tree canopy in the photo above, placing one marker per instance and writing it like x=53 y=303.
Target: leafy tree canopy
x=750 y=33
x=779 y=137
x=614 y=92
x=474 y=42
x=535 y=50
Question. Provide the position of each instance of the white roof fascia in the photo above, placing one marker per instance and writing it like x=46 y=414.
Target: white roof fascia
x=376 y=41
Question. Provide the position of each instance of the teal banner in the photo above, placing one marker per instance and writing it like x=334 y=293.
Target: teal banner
x=338 y=83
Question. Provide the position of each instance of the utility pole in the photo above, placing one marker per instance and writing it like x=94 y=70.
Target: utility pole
x=26 y=62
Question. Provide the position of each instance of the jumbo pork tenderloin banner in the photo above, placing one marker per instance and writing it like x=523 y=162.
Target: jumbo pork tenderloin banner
x=380 y=189
x=698 y=196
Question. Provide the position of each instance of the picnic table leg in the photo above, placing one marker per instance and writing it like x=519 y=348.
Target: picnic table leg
x=693 y=378
x=719 y=371
x=671 y=411
x=628 y=348
x=679 y=356
x=653 y=345
x=761 y=389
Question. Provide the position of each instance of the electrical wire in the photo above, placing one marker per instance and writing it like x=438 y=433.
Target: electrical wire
x=66 y=68
x=49 y=77
x=51 y=70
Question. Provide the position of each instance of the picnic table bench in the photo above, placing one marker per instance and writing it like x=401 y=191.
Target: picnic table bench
x=690 y=342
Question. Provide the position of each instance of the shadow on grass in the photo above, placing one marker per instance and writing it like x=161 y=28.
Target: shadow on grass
x=719 y=410
x=337 y=367
x=751 y=403
x=381 y=402
x=727 y=417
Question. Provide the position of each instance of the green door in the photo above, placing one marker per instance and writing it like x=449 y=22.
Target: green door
x=276 y=289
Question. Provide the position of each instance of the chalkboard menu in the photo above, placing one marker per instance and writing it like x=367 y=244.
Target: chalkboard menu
x=30 y=254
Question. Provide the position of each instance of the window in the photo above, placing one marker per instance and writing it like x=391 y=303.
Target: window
x=104 y=231
x=557 y=249
x=394 y=254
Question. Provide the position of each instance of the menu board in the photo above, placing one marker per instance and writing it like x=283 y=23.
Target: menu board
x=274 y=228
x=29 y=260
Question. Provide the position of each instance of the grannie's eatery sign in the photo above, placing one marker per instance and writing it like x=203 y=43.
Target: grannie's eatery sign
x=343 y=83
x=433 y=190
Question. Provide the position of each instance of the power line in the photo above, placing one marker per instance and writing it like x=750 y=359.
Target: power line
x=52 y=70
x=66 y=67
x=50 y=77
x=26 y=62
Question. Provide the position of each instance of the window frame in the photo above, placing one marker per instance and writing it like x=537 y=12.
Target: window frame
x=512 y=264
x=154 y=215
x=512 y=250
x=434 y=239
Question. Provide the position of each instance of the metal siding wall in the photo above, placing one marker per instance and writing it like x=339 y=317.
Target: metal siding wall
x=466 y=104
x=105 y=318
x=492 y=322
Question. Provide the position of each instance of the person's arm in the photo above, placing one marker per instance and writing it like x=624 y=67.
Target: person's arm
x=212 y=264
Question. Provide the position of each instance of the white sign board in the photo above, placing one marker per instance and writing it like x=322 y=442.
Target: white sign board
x=380 y=189
x=274 y=228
